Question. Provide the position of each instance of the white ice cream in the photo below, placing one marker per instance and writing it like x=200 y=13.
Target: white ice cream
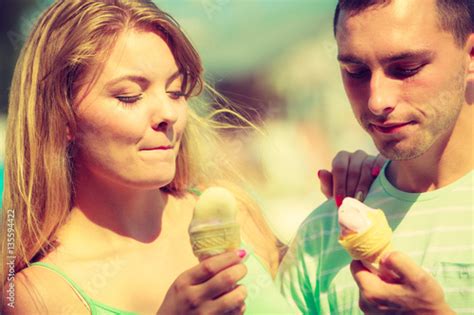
x=216 y=205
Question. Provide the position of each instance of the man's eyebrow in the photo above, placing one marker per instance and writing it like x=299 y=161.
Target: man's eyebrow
x=406 y=55
x=141 y=80
x=349 y=59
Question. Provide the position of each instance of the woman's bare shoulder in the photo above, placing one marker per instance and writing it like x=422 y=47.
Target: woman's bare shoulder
x=38 y=290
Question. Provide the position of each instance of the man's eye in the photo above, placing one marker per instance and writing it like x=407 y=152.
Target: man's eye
x=406 y=72
x=129 y=99
x=357 y=74
x=175 y=95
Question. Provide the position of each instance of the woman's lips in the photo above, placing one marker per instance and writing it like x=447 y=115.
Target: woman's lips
x=391 y=128
x=164 y=147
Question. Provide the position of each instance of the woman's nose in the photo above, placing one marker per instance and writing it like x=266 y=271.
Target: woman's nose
x=164 y=114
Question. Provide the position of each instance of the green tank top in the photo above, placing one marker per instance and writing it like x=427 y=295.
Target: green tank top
x=95 y=307
x=263 y=297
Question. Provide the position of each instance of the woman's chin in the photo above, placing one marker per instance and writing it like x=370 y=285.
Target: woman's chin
x=154 y=184
x=148 y=182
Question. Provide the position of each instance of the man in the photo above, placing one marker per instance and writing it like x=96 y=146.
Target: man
x=408 y=70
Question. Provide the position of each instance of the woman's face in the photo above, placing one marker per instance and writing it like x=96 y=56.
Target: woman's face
x=131 y=120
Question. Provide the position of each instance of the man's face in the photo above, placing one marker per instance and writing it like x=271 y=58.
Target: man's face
x=404 y=76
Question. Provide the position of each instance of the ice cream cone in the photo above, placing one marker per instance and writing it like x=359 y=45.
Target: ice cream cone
x=370 y=243
x=214 y=229
x=214 y=239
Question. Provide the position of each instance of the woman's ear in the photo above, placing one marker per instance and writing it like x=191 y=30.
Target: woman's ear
x=69 y=135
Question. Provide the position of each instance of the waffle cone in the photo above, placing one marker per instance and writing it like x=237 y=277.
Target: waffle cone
x=214 y=239
x=370 y=246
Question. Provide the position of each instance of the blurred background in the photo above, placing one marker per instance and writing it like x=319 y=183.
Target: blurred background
x=276 y=59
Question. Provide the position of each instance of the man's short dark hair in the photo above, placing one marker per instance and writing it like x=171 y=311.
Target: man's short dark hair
x=455 y=16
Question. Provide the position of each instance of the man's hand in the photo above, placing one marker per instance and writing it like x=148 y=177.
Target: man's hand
x=414 y=292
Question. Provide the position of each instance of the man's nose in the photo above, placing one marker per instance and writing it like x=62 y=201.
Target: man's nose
x=383 y=94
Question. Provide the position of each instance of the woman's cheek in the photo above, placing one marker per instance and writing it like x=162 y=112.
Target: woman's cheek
x=182 y=121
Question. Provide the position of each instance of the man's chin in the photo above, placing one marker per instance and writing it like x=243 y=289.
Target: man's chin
x=399 y=152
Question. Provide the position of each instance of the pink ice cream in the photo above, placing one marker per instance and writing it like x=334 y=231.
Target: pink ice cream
x=353 y=216
x=365 y=233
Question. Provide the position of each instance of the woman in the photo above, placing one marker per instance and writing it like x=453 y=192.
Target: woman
x=104 y=152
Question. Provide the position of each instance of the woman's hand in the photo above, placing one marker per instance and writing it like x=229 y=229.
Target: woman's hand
x=209 y=288
x=352 y=175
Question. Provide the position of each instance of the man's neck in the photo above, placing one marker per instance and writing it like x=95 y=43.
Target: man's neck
x=446 y=161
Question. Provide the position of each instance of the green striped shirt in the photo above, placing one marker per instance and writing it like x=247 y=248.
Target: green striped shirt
x=435 y=229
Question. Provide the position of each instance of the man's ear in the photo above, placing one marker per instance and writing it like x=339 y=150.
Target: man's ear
x=470 y=69
x=470 y=48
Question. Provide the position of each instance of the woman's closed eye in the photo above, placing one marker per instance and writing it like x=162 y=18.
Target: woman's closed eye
x=176 y=95
x=129 y=99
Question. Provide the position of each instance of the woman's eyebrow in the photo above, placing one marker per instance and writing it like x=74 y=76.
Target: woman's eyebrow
x=173 y=77
x=140 y=80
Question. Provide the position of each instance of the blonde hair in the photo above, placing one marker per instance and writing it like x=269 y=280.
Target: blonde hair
x=68 y=39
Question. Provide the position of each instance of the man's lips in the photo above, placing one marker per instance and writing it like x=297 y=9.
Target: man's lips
x=392 y=127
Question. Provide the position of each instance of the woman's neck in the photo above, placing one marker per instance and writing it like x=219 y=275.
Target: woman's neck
x=126 y=211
